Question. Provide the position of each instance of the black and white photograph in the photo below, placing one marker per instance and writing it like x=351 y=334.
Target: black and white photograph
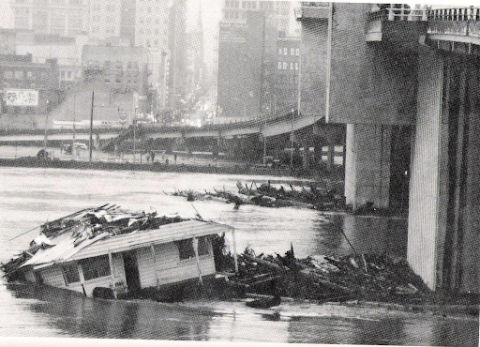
x=239 y=172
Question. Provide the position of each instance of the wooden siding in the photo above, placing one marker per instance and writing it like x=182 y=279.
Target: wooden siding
x=169 y=268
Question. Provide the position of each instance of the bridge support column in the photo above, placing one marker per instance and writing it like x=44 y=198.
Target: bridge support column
x=429 y=174
x=367 y=167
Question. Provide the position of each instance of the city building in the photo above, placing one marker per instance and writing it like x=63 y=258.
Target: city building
x=67 y=51
x=279 y=21
x=285 y=89
x=176 y=79
x=105 y=19
x=240 y=75
x=123 y=69
x=29 y=89
x=7 y=41
x=62 y=17
x=152 y=32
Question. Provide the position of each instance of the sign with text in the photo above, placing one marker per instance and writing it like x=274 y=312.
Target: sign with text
x=21 y=97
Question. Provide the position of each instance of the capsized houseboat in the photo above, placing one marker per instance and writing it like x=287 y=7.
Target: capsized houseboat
x=108 y=251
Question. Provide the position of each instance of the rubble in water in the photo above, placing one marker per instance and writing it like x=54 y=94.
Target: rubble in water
x=333 y=278
x=314 y=196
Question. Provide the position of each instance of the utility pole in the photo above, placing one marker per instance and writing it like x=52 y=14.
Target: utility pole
x=291 y=140
x=90 y=140
x=74 y=151
x=45 y=136
x=134 y=136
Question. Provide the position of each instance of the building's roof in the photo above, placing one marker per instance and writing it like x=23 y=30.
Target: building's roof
x=65 y=250
x=165 y=234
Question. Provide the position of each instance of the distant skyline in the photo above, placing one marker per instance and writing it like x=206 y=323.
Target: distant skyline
x=6 y=19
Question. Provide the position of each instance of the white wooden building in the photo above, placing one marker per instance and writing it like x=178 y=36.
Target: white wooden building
x=150 y=258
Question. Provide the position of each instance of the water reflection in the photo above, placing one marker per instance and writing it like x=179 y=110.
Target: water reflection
x=366 y=235
x=73 y=315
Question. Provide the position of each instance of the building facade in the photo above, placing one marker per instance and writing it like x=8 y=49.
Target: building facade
x=123 y=69
x=61 y=17
x=67 y=51
x=240 y=68
x=285 y=89
x=29 y=89
x=278 y=23
x=7 y=41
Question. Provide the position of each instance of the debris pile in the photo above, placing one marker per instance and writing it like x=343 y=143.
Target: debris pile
x=87 y=224
x=268 y=195
x=331 y=278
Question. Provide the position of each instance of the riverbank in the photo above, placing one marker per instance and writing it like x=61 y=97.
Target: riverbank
x=235 y=169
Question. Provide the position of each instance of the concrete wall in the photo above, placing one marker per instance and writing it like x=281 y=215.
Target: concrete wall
x=367 y=167
x=470 y=257
x=313 y=74
x=368 y=83
x=428 y=184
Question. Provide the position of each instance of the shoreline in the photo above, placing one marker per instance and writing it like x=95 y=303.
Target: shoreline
x=240 y=169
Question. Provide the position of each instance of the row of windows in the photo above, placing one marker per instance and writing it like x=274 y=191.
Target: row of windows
x=92 y=268
x=284 y=51
x=250 y=5
x=232 y=3
x=20 y=74
x=285 y=65
x=100 y=266
x=149 y=21
x=186 y=250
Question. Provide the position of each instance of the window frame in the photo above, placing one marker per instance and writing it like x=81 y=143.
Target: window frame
x=91 y=270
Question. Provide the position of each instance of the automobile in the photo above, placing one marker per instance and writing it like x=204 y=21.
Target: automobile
x=67 y=147
x=81 y=145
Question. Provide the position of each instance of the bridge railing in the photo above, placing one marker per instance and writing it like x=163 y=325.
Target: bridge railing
x=399 y=13
x=455 y=21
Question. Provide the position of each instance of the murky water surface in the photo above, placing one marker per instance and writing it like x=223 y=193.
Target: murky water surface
x=30 y=196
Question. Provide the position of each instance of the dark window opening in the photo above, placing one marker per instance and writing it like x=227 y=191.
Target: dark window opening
x=70 y=272
x=95 y=267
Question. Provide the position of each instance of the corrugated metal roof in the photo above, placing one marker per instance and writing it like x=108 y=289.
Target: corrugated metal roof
x=62 y=251
x=166 y=233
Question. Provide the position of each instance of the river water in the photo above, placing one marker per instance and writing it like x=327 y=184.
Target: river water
x=28 y=197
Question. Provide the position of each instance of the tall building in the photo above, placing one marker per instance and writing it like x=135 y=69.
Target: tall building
x=151 y=24
x=196 y=69
x=240 y=70
x=105 y=19
x=127 y=20
x=176 y=79
x=285 y=87
x=279 y=21
x=61 y=17
x=151 y=31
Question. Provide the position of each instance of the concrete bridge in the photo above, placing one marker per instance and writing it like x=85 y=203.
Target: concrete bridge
x=406 y=82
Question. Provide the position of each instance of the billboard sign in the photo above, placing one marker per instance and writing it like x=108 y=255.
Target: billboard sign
x=21 y=97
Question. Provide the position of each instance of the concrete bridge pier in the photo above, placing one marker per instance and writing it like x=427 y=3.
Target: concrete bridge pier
x=444 y=206
x=367 y=167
